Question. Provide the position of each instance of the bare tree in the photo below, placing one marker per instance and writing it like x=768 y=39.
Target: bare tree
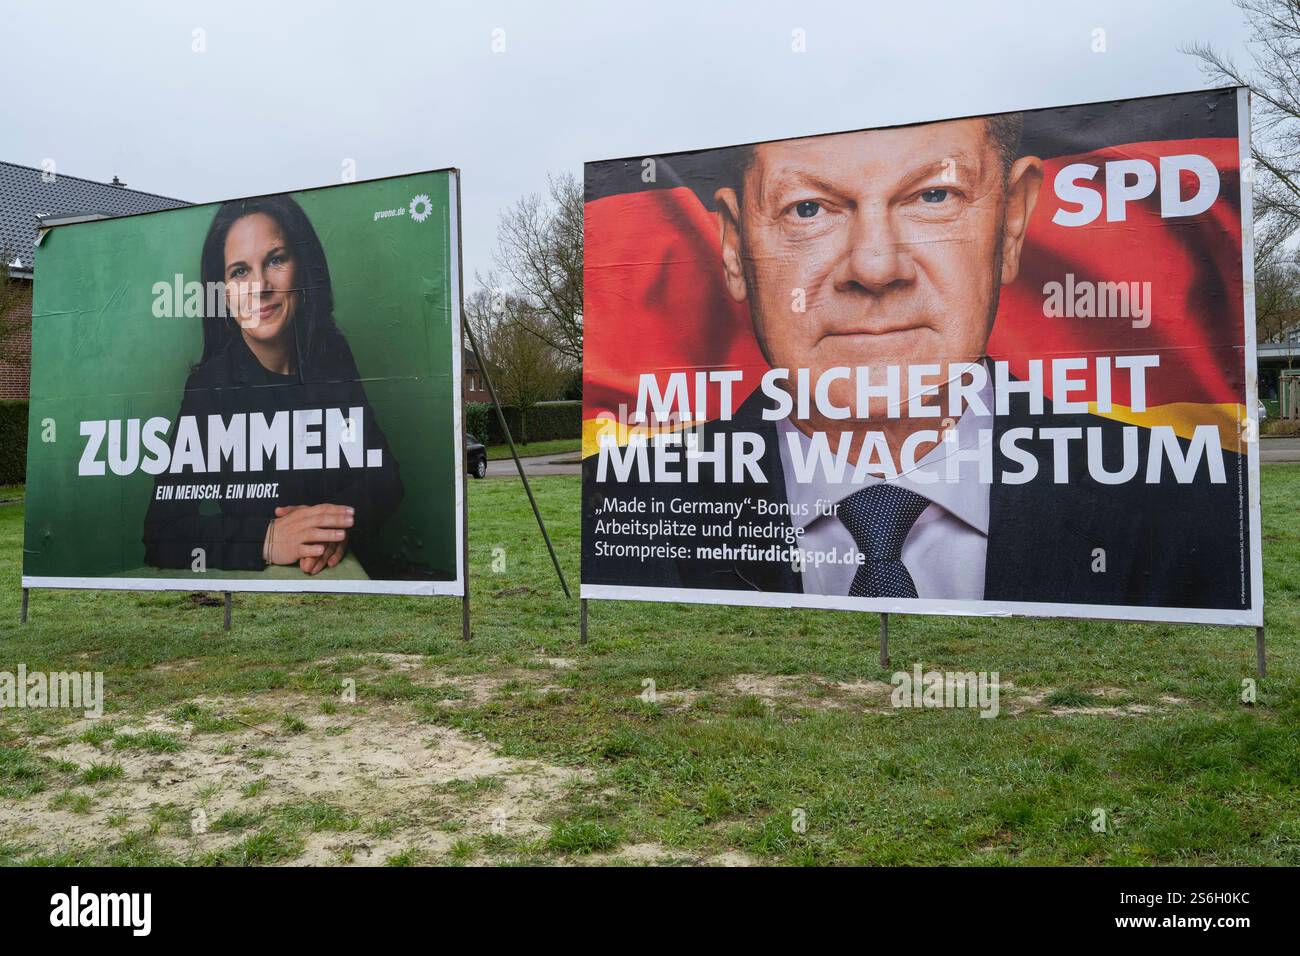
x=1275 y=82
x=1277 y=304
x=525 y=369
x=540 y=255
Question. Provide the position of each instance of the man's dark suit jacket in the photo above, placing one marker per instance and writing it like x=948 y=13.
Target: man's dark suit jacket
x=1166 y=544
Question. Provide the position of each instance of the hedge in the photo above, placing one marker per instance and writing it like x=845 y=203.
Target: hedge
x=478 y=419
x=13 y=442
x=540 y=423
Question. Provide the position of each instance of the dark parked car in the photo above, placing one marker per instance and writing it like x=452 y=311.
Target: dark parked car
x=475 y=457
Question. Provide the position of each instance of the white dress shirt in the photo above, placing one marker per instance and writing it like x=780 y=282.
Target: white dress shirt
x=945 y=551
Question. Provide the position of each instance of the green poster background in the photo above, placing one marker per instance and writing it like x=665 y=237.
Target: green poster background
x=99 y=352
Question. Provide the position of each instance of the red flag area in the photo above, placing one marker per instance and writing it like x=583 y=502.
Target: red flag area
x=654 y=298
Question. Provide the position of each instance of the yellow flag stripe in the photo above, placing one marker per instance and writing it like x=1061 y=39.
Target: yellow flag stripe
x=1183 y=417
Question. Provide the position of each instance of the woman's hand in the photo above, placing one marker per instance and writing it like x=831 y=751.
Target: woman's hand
x=333 y=555
x=334 y=552
x=312 y=536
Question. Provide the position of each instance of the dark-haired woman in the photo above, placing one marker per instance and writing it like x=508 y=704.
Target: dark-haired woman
x=276 y=348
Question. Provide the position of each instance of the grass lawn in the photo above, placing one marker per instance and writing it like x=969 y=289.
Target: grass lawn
x=558 y=446
x=339 y=730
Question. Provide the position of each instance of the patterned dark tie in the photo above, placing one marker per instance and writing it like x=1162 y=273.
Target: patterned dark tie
x=879 y=517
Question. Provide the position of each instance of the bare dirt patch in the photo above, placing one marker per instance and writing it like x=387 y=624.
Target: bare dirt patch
x=786 y=690
x=813 y=692
x=379 y=661
x=1035 y=703
x=391 y=783
x=472 y=690
x=168 y=667
x=656 y=854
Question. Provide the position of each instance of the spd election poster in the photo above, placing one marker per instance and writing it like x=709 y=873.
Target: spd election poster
x=994 y=365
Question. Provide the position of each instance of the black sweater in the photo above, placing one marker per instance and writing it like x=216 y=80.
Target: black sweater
x=234 y=382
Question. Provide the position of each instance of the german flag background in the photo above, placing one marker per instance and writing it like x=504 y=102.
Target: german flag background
x=655 y=298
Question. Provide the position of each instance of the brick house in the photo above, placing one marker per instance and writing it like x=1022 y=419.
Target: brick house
x=28 y=198
x=16 y=346
x=473 y=384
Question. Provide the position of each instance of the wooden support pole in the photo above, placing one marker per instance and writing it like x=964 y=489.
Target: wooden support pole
x=582 y=616
x=465 y=633
x=23 y=617
x=1260 y=665
x=228 y=596
x=884 y=640
x=514 y=453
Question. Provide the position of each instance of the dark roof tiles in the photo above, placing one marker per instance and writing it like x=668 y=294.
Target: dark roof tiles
x=25 y=195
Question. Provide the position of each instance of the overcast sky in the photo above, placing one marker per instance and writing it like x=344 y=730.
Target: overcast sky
x=281 y=98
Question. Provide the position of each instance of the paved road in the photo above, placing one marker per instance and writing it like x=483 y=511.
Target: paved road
x=563 y=463
x=1279 y=449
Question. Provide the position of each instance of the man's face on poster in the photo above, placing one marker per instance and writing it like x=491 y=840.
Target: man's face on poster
x=886 y=247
